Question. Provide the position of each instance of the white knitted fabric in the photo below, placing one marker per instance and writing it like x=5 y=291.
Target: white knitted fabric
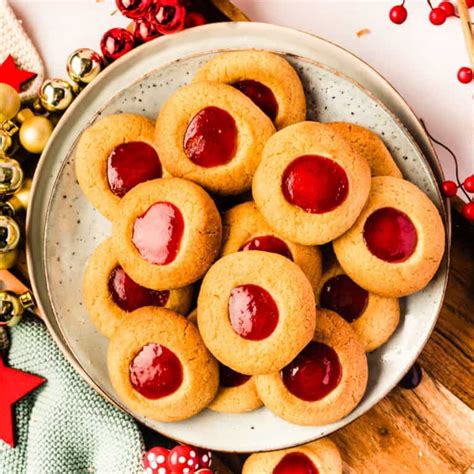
x=64 y=427
x=14 y=41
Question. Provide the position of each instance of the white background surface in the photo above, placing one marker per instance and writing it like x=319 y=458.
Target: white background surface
x=419 y=59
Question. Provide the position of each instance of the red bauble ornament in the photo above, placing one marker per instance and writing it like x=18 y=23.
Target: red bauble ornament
x=468 y=211
x=398 y=14
x=470 y=3
x=437 y=16
x=144 y=30
x=194 y=19
x=449 y=188
x=469 y=184
x=134 y=9
x=12 y=75
x=155 y=459
x=204 y=470
x=168 y=16
x=183 y=459
x=14 y=384
x=465 y=75
x=115 y=43
x=448 y=8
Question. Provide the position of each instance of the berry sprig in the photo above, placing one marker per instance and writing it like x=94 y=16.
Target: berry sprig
x=181 y=459
x=437 y=16
x=450 y=188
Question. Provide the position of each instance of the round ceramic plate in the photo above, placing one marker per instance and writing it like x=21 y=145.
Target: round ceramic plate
x=64 y=229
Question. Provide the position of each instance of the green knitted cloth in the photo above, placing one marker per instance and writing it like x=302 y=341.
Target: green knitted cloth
x=64 y=427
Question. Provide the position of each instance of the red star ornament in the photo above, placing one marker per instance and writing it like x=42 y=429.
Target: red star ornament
x=14 y=385
x=12 y=75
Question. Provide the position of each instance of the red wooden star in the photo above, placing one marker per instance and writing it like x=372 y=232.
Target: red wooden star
x=14 y=384
x=12 y=75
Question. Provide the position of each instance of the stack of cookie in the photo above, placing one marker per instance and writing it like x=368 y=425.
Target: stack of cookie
x=272 y=324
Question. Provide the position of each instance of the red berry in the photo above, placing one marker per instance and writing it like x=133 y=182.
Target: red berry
x=194 y=19
x=437 y=16
x=115 y=43
x=469 y=184
x=450 y=188
x=468 y=211
x=156 y=458
x=133 y=8
x=465 y=75
x=168 y=16
x=448 y=8
x=183 y=459
x=205 y=458
x=144 y=30
x=398 y=14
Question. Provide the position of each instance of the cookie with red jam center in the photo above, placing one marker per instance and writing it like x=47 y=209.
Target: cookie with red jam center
x=212 y=134
x=167 y=233
x=114 y=155
x=374 y=318
x=324 y=382
x=156 y=371
x=110 y=295
x=370 y=146
x=266 y=78
x=311 y=184
x=318 y=457
x=255 y=311
x=397 y=243
x=237 y=392
x=245 y=229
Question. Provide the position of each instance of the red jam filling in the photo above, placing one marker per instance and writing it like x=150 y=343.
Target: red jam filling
x=314 y=373
x=295 y=463
x=155 y=371
x=157 y=233
x=253 y=313
x=129 y=296
x=261 y=95
x=390 y=235
x=130 y=164
x=268 y=243
x=230 y=378
x=345 y=297
x=315 y=184
x=211 y=138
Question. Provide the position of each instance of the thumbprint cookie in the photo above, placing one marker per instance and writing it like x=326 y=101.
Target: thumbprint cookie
x=370 y=146
x=374 y=318
x=266 y=78
x=311 y=184
x=397 y=243
x=159 y=366
x=213 y=135
x=244 y=228
x=256 y=311
x=324 y=382
x=114 y=155
x=237 y=392
x=318 y=457
x=167 y=233
x=110 y=295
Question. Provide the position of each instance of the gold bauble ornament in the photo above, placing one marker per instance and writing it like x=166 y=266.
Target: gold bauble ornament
x=8 y=259
x=9 y=234
x=9 y=102
x=11 y=176
x=35 y=133
x=13 y=306
x=56 y=95
x=83 y=65
x=21 y=198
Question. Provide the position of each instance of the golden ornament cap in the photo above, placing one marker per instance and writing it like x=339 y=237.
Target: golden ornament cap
x=84 y=65
x=12 y=306
x=56 y=95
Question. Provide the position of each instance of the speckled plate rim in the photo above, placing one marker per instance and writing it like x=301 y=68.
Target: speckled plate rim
x=33 y=220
